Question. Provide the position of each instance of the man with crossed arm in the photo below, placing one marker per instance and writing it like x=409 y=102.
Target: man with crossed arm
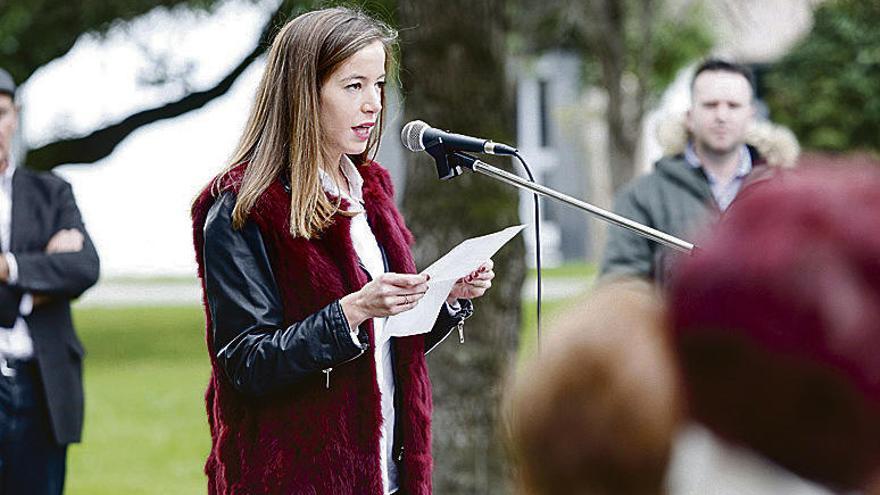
x=47 y=260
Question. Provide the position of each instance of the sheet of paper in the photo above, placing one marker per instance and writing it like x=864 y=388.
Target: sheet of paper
x=457 y=263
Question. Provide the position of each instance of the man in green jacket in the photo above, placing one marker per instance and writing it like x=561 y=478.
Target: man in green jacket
x=691 y=187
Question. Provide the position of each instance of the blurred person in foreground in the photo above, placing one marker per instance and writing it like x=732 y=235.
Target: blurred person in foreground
x=47 y=260
x=711 y=153
x=776 y=324
x=595 y=411
x=303 y=255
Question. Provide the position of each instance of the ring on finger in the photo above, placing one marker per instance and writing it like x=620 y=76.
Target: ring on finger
x=406 y=299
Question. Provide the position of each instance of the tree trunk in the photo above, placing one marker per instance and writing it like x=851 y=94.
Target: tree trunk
x=454 y=77
x=609 y=44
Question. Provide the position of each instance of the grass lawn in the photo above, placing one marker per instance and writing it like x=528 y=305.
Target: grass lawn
x=550 y=308
x=528 y=335
x=567 y=270
x=146 y=430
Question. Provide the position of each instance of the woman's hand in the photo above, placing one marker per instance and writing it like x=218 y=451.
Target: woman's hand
x=474 y=285
x=389 y=294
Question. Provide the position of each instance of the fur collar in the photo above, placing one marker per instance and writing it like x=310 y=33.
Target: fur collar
x=775 y=143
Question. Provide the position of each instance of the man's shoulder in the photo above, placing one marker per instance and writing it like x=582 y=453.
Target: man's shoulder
x=49 y=180
x=672 y=165
x=45 y=188
x=659 y=175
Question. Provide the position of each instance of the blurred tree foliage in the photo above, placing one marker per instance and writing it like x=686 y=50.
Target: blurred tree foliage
x=827 y=89
x=621 y=41
x=35 y=32
x=676 y=43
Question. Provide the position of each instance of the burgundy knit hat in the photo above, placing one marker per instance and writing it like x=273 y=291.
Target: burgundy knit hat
x=777 y=324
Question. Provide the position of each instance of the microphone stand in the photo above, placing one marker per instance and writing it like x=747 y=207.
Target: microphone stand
x=450 y=164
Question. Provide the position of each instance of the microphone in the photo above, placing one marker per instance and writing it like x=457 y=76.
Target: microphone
x=419 y=136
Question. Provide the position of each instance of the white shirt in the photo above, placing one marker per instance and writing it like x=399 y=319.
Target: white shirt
x=703 y=464
x=367 y=249
x=15 y=342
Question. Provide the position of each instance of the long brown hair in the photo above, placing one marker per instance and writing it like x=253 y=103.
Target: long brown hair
x=283 y=133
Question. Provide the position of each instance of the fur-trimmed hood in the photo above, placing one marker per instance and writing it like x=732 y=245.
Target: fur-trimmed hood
x=775 y=143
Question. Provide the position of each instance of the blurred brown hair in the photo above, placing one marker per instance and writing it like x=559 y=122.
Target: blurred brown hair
x=596 y=410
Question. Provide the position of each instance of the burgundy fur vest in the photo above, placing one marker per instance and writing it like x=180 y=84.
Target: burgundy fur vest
x=310 y=439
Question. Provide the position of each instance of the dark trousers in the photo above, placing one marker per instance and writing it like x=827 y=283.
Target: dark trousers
x=31 y=462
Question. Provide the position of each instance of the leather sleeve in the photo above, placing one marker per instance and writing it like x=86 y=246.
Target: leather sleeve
x=445 y=322
x=258 y=353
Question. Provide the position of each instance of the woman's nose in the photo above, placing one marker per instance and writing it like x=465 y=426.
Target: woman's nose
x=373 y=102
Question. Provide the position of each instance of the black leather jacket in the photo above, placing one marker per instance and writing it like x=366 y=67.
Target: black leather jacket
x=257 y=352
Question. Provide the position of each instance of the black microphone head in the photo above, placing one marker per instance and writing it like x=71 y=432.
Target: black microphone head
x=411 y=135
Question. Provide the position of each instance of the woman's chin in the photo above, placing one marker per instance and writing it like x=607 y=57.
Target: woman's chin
x=356 y=150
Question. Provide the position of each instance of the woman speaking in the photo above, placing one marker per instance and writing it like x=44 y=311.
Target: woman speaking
x=302 y=255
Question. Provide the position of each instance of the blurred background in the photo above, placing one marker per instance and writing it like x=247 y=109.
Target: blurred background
x=138 y=104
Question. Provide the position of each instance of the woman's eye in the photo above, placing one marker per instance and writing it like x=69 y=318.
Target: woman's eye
x=380 y=84
x=356 y=85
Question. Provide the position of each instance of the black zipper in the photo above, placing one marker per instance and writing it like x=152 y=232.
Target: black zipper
x=397 y=442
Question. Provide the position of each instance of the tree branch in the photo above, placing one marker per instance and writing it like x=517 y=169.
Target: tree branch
x=101 y=142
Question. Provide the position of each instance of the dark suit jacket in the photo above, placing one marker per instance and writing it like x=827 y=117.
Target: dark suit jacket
x=43 y=204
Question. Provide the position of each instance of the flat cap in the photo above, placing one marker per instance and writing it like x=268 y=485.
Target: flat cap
x=7 y=84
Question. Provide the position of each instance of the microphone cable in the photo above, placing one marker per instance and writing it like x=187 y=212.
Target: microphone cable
x=537 y=213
